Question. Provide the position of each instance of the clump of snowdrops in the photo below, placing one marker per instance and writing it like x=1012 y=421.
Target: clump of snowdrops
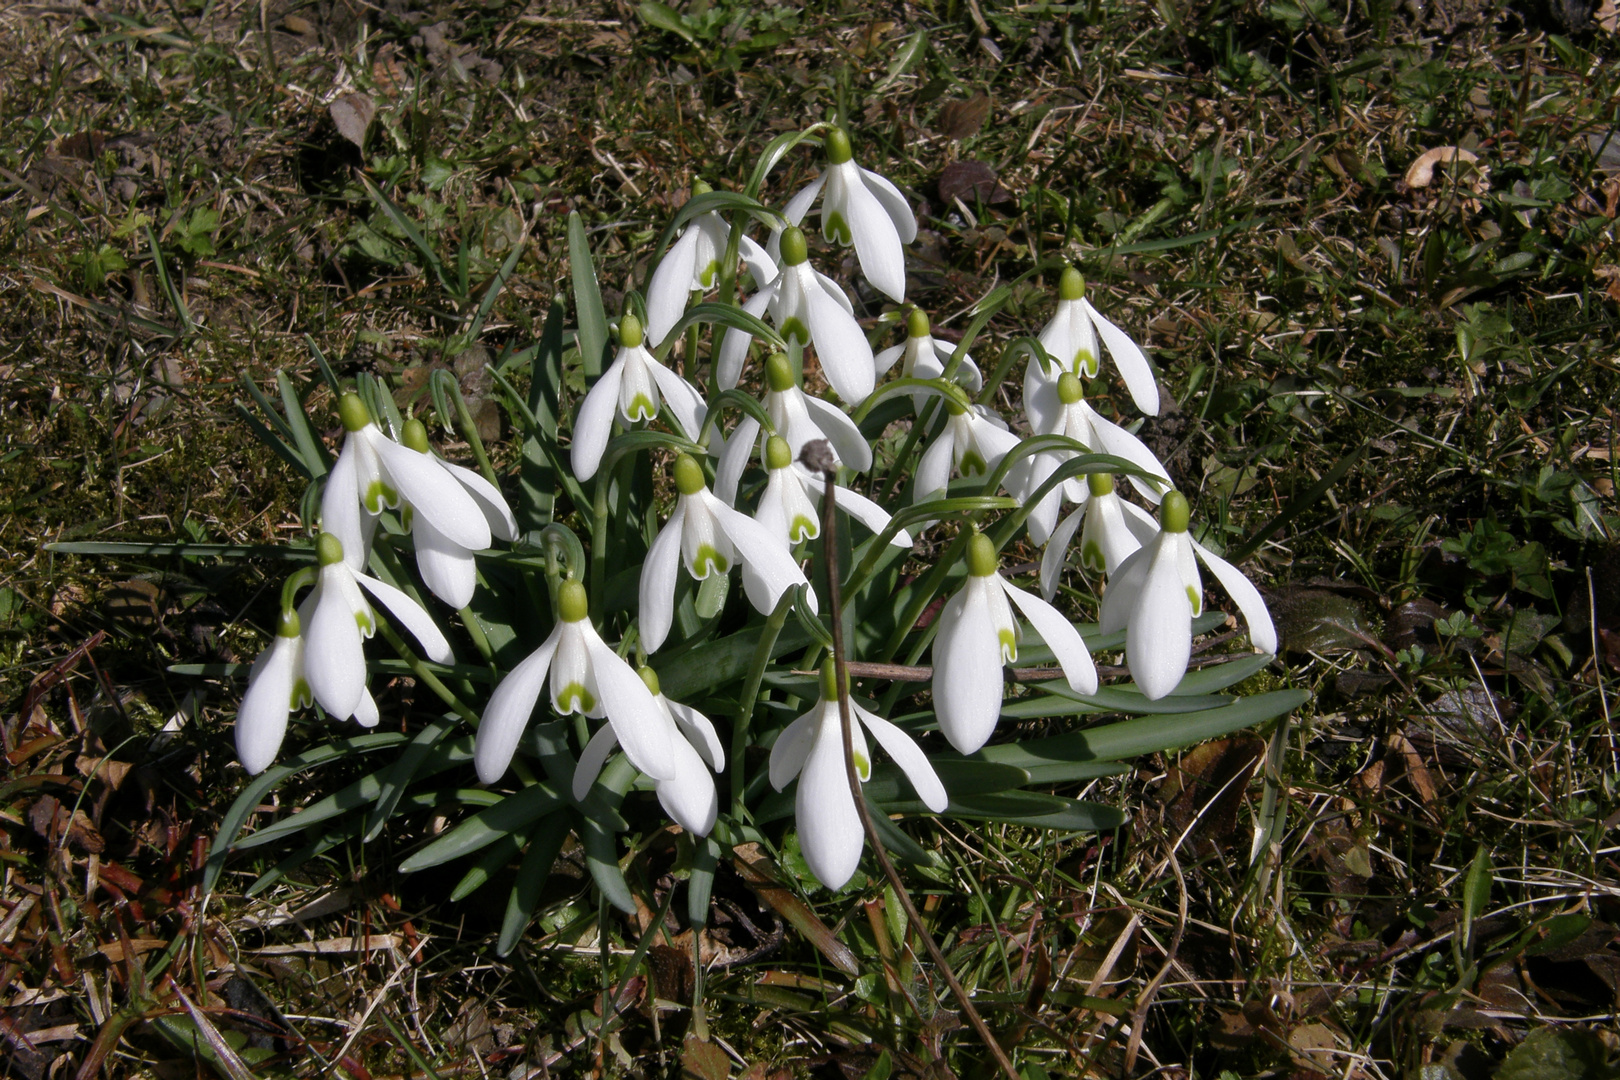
x=628 y=630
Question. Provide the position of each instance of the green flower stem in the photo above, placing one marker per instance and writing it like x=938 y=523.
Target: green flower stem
x=925 y=422
x=930 y=586
x=750 y=694
x=469 y=431
x=427 y=677
x=475 y=630
x=299 y=579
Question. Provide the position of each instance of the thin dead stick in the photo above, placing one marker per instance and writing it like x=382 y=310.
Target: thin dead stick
x=818 y=457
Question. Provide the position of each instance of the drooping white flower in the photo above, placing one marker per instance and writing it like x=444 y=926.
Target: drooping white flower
x=1071 y=339
x=1058 y=407
x=692 y=264
x=977 y=635
x=789 y=505
x=629 y=389
x=973 y=443
x=862 y=208
x=709 y=536
x=276 y=686
x=812 y=748
x=448 y=568
x=811 y=307
x=924 y=356
x=586 y=677
x=797 y=417
x=688 y=796
x=373 y=473
x=1113 y=530
x=1157 y=591
x=339 y=620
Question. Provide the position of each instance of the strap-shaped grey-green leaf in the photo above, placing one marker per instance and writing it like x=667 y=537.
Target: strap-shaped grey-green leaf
x=545 y=844
x=592 y=332
x=485 y=827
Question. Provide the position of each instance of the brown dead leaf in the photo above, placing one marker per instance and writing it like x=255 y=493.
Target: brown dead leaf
x=960 y=119
x=703 y=1060
x=1421 y=172
x=971 y=181
x=760 y=875
x=1206 y=786
x=111 y=772
x=1607 y=16
x=1416 y=771
x=117 y=952
x=352 y=113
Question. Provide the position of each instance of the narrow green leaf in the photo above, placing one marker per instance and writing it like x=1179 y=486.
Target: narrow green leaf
x=592 y=334
x=264 y=435
x=1155 y=734
x=414 y=762
x=727 y=315
x=544 y=847
x=309 y=443
x=1296 y=506
x=486 y=826
x=136 y=549
x=408 y=227
x=904 y=58
x=495 y=856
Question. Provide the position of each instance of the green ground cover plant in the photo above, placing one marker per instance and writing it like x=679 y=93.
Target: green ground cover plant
x=1371 y=253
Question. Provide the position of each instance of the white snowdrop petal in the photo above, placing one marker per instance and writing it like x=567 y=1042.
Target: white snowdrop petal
x=801 y=202
x=644 y=729
x=502 y=522
x=760 y=263
x=334 y=660
x=671 y=285
x=593 y=426
x=766 y=555
x=830 y=833
x=689 y=797
x=967 y=672
x=1124 y=586
x=1129 y=358
x=967 y=372
x=909 y=756
x=1060 y=636
x=341 y=512
x=409 y=614
x=449 y=571
x=870 y=514
x=734 y=457
x=508 y=711
x=366 y=713
x=433 y=493
x=1109 y=438
x=791 y=748
x=656 y=607
x=1158 y=642
x=1262 y=632
x=884 y=360
x=261 y=719
x=877 y=243
x=734 y=346
x=832 y=289
x=1057 y=552
x=894 y=205
x=847 y=441
x=698 y=730
x=934 y=470
x=592 y=758
x=682 y=398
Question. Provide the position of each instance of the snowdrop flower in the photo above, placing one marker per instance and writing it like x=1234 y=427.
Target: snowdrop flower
x=924 y=356
x=1058 y=407
x=339 y=621
x=446 y=566
x=799 y=418
x=974 y=442
x=977 y=635
x=688 y=796
x=1071 y=339
x=812 y=748
x=276 y=686
x=692 y=264
x=709 y=537
x=788 y=508
x=811 y=307
x=373 y=472
x=1155 y=593
x=586 y=677
x=630 y=389
x=1113 y=530
x=858 y=206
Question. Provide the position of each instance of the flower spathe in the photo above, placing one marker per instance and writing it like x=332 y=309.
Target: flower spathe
x=709 y=536
x=812 y=749
x=447 y=568
x=977 y=635
x=688 y=796
x=812 y=308
x=862 y=208
x=630 y=389
x=586 y=677
x=339 y=620
x=1071 y=339
x=374 y=473
x=1112 y=531
x=1156 y=592
x=276 y=686
x=692 y=264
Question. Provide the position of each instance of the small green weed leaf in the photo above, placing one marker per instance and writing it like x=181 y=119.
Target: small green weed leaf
x=1558 y=1053
x=663 y=17
x=905 y=58
x=884 y=1065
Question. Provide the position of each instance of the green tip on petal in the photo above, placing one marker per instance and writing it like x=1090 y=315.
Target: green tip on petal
x=1072 y=286
x=1174 y=513
x=572 y=605
x=1100 y=483
x=289 y=624
x=650 y=677
x=353 y=412
x=688 y=475
x=415 y=436
x=328 y=549
x=829 y=680
x=1069 y=390
x=838 y=149
x=700 y=187
x=982 y=559
x=794 y=249
x=917 y=323
x=779 y=373
x=630 y=335
x=778 y=454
